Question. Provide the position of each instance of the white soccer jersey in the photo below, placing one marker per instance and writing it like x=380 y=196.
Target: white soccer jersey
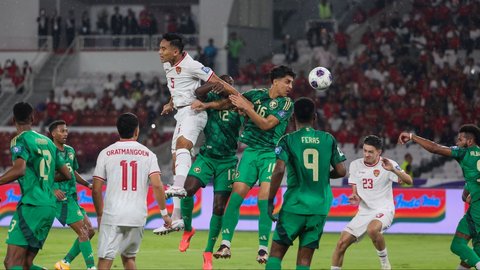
x=126 y=166
x=184 y=78
x=374 y=185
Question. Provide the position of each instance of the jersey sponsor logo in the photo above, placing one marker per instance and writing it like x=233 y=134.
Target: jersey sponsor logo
x=17 y=149
x=178 y=70
x=278 y=150
x=379 y=215
x=197 y=169
x=273 y=104
x=376 y=172
x=206 y=69
x=282 y=113
x=70 y=156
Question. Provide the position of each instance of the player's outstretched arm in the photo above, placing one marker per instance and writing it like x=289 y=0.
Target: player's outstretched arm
x=428 y=145
x=247 y=107
x=97 y=198
x=221 y=104
x=402 y=175
x=338 y=171
x=277 y=176
x=159 y=194
x=12 y=174
x=202 y=91
x=82 y=181
x=227 y=87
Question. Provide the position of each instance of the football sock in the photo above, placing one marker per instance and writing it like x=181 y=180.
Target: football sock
x=460 y=247
x=16 y=267
x=461 y=267
x=73 y=252
x=303 y=267
x=264 y=223
x=273 y=263
x=34 y=267
x=177 y=211
x=215 y=227
x=231 y=216
x=183 y=162
x=187 y=209
x=383 y=255
x=86 y=248
x=335 y=268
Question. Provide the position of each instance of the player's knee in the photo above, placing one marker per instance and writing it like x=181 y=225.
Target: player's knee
x=218 y=209
x=342 y=245
x=373 y=232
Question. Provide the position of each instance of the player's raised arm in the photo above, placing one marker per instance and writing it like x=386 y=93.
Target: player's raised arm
x=428 y=145
x=227 y=87
x=17 y=171
x=402 y=175
x=247 y=107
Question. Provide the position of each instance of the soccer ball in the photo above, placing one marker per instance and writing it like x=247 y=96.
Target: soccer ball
x=320 y=78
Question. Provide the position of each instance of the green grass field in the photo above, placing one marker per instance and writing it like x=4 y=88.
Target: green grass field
x=160 y=252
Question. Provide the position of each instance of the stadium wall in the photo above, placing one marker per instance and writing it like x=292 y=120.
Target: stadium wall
x=18 y=31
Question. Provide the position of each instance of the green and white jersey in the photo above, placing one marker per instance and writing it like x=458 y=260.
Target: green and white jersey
x=70 y=158
x=42 y=159
x=280 y=107
x=221 y=131
x=308 y=155
x=469 y=160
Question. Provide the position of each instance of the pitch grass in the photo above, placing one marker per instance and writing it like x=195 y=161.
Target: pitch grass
x=161 y=252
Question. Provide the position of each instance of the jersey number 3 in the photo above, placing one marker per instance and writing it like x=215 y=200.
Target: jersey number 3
x=133 y=165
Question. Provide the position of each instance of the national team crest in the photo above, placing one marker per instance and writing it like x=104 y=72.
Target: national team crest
x=178 y=70
x=70 y=156
x=376 y=172
x=273 y=104
x=197 y=169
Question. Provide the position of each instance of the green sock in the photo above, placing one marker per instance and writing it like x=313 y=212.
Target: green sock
x=73 y=252
x=264 y=223
x=231 y=216
x=35 y=267
x=86 y=248
x=460 y=247
x=303 y=267
x=187 y=209
x=16 y=267
x=273 y=263
x=215 y=227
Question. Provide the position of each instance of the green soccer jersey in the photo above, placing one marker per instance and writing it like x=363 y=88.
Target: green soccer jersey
x=42 y=159
x=469 y=160
x=308 y=155
x=280 y=107
x=70 y=158
x=221 y=131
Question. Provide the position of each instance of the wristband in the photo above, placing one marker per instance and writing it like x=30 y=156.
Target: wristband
x=163 y=212
x=411 y=136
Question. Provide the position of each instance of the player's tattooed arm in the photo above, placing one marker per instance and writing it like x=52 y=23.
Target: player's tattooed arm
x=428 y=145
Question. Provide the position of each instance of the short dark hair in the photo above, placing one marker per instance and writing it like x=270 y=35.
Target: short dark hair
x=176 y=40
x=374 y=141
x=304 y=109
x=55 y=124
x=126 y=125
x=22 y=112
x=280 y=72
x=471 y=130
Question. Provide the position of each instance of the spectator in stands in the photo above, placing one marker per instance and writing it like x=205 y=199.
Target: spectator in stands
x=153 y=30
x=92 y=101
x=234 y=46
x=56 y=29
x=85 y=28
x=342 y=39
x=53 y=107
x=124 y=86
x=199 y=56
x=42 y=31
x=109 y=84
x=70 y=27
x=210 y=54
x=106 y=100
x=144 y=22
x=66 y=101
x=186 y=25
x=79 y=103
x=118 y=101
x=407 y=168
x=471 y=70
x=324 y=10
x=116 y=24
x=289 y=48
x=102 y=22
x=138 y=83
x=131 y=28
x=323 y=57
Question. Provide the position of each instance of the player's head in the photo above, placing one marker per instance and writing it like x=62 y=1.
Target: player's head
x=59 y=131
x=468 y=135
x=171 y=48
x=227 y=78
x=282 y=80
x=372 y=149
x=408 y=157
x=127 y=126
x=304 y=111
x=23 y=113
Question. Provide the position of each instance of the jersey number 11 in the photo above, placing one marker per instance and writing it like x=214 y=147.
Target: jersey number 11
x=133 y=165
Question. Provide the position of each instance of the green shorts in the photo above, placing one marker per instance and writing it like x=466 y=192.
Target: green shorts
x=256 y=165
x=30 y=226
x=222 y=170
x=69 y=211
x=308 y=228
x=470 y=223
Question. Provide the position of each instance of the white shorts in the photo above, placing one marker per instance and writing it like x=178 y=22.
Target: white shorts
x=358 y=225
x=113 y=239
x=189 y=125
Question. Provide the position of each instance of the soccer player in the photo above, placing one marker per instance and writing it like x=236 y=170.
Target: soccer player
x=68 y=210
x=308 y=155
x=184 y=76
x=371 y=178
x=128 y=167
x=467 y=154
x=35 y=159
x=268 y=111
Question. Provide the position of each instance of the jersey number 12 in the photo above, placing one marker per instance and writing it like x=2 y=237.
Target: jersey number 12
x=133 y=165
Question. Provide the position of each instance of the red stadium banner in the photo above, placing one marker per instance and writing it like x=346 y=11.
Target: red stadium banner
x=411 y=204
x=249 y=207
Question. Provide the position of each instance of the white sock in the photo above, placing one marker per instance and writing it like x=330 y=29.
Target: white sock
x=263 y=247
x=335 y=268
x=461 y=267
x=382 y=254
x=177 y=209
x=477 y=265
x=183 y=162
x=226 y=243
